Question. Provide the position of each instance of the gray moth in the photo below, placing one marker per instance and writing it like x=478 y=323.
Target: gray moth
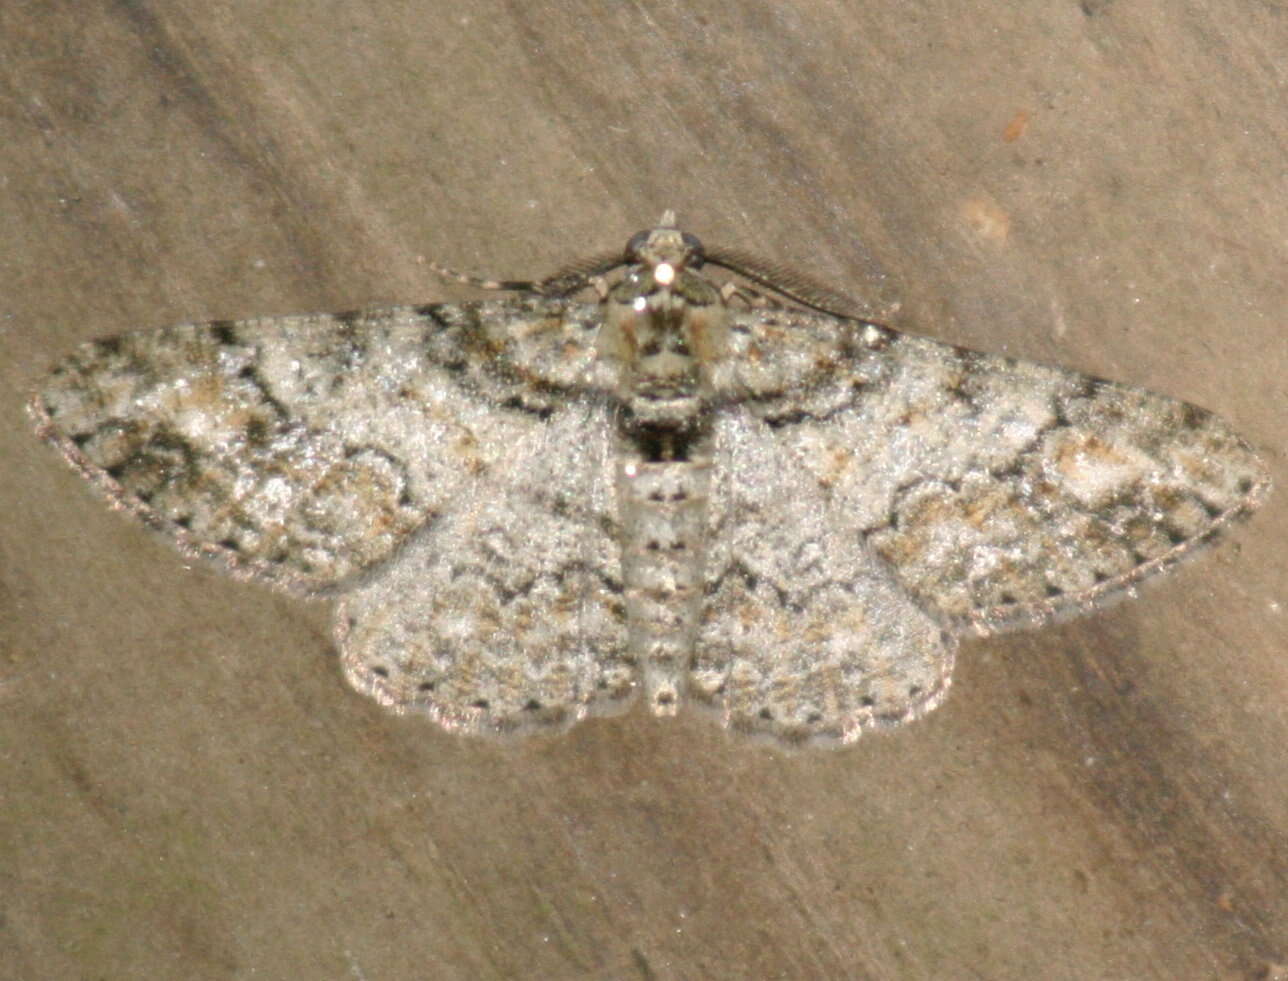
x=536 y=507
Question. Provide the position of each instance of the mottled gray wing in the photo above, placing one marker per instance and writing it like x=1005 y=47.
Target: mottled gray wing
x=1000 y=492
x=400 y=455
x=506 y=613
x=805 y=636
x=301 y=450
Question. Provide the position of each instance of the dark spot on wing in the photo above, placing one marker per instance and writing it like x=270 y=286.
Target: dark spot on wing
x=224 y=331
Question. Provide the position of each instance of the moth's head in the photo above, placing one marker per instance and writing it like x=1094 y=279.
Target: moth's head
x=665 y=250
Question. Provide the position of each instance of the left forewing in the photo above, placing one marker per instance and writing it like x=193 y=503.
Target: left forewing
x=302 y=450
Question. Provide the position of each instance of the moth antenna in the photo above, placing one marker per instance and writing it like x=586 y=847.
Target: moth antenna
x=579 y=275
x=503 y=285
x=798 y=286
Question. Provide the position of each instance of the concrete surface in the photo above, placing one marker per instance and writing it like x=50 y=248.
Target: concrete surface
x=187 y=787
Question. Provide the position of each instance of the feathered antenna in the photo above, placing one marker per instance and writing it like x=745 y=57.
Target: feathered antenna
x=798 y=286
x=791 y=283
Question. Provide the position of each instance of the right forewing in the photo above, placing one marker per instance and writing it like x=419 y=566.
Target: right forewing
x=1002 y=492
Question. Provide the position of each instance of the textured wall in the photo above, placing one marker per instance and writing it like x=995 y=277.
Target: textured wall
x=187 y=787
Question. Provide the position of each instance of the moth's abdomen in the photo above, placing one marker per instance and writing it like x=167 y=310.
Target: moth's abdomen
x=663 y=506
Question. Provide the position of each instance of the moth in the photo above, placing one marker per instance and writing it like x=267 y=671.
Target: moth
x=740 y=495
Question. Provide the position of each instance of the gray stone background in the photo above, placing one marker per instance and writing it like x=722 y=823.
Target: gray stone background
x=187 y=787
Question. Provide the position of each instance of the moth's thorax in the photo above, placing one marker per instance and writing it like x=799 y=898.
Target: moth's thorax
x=667 y=327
